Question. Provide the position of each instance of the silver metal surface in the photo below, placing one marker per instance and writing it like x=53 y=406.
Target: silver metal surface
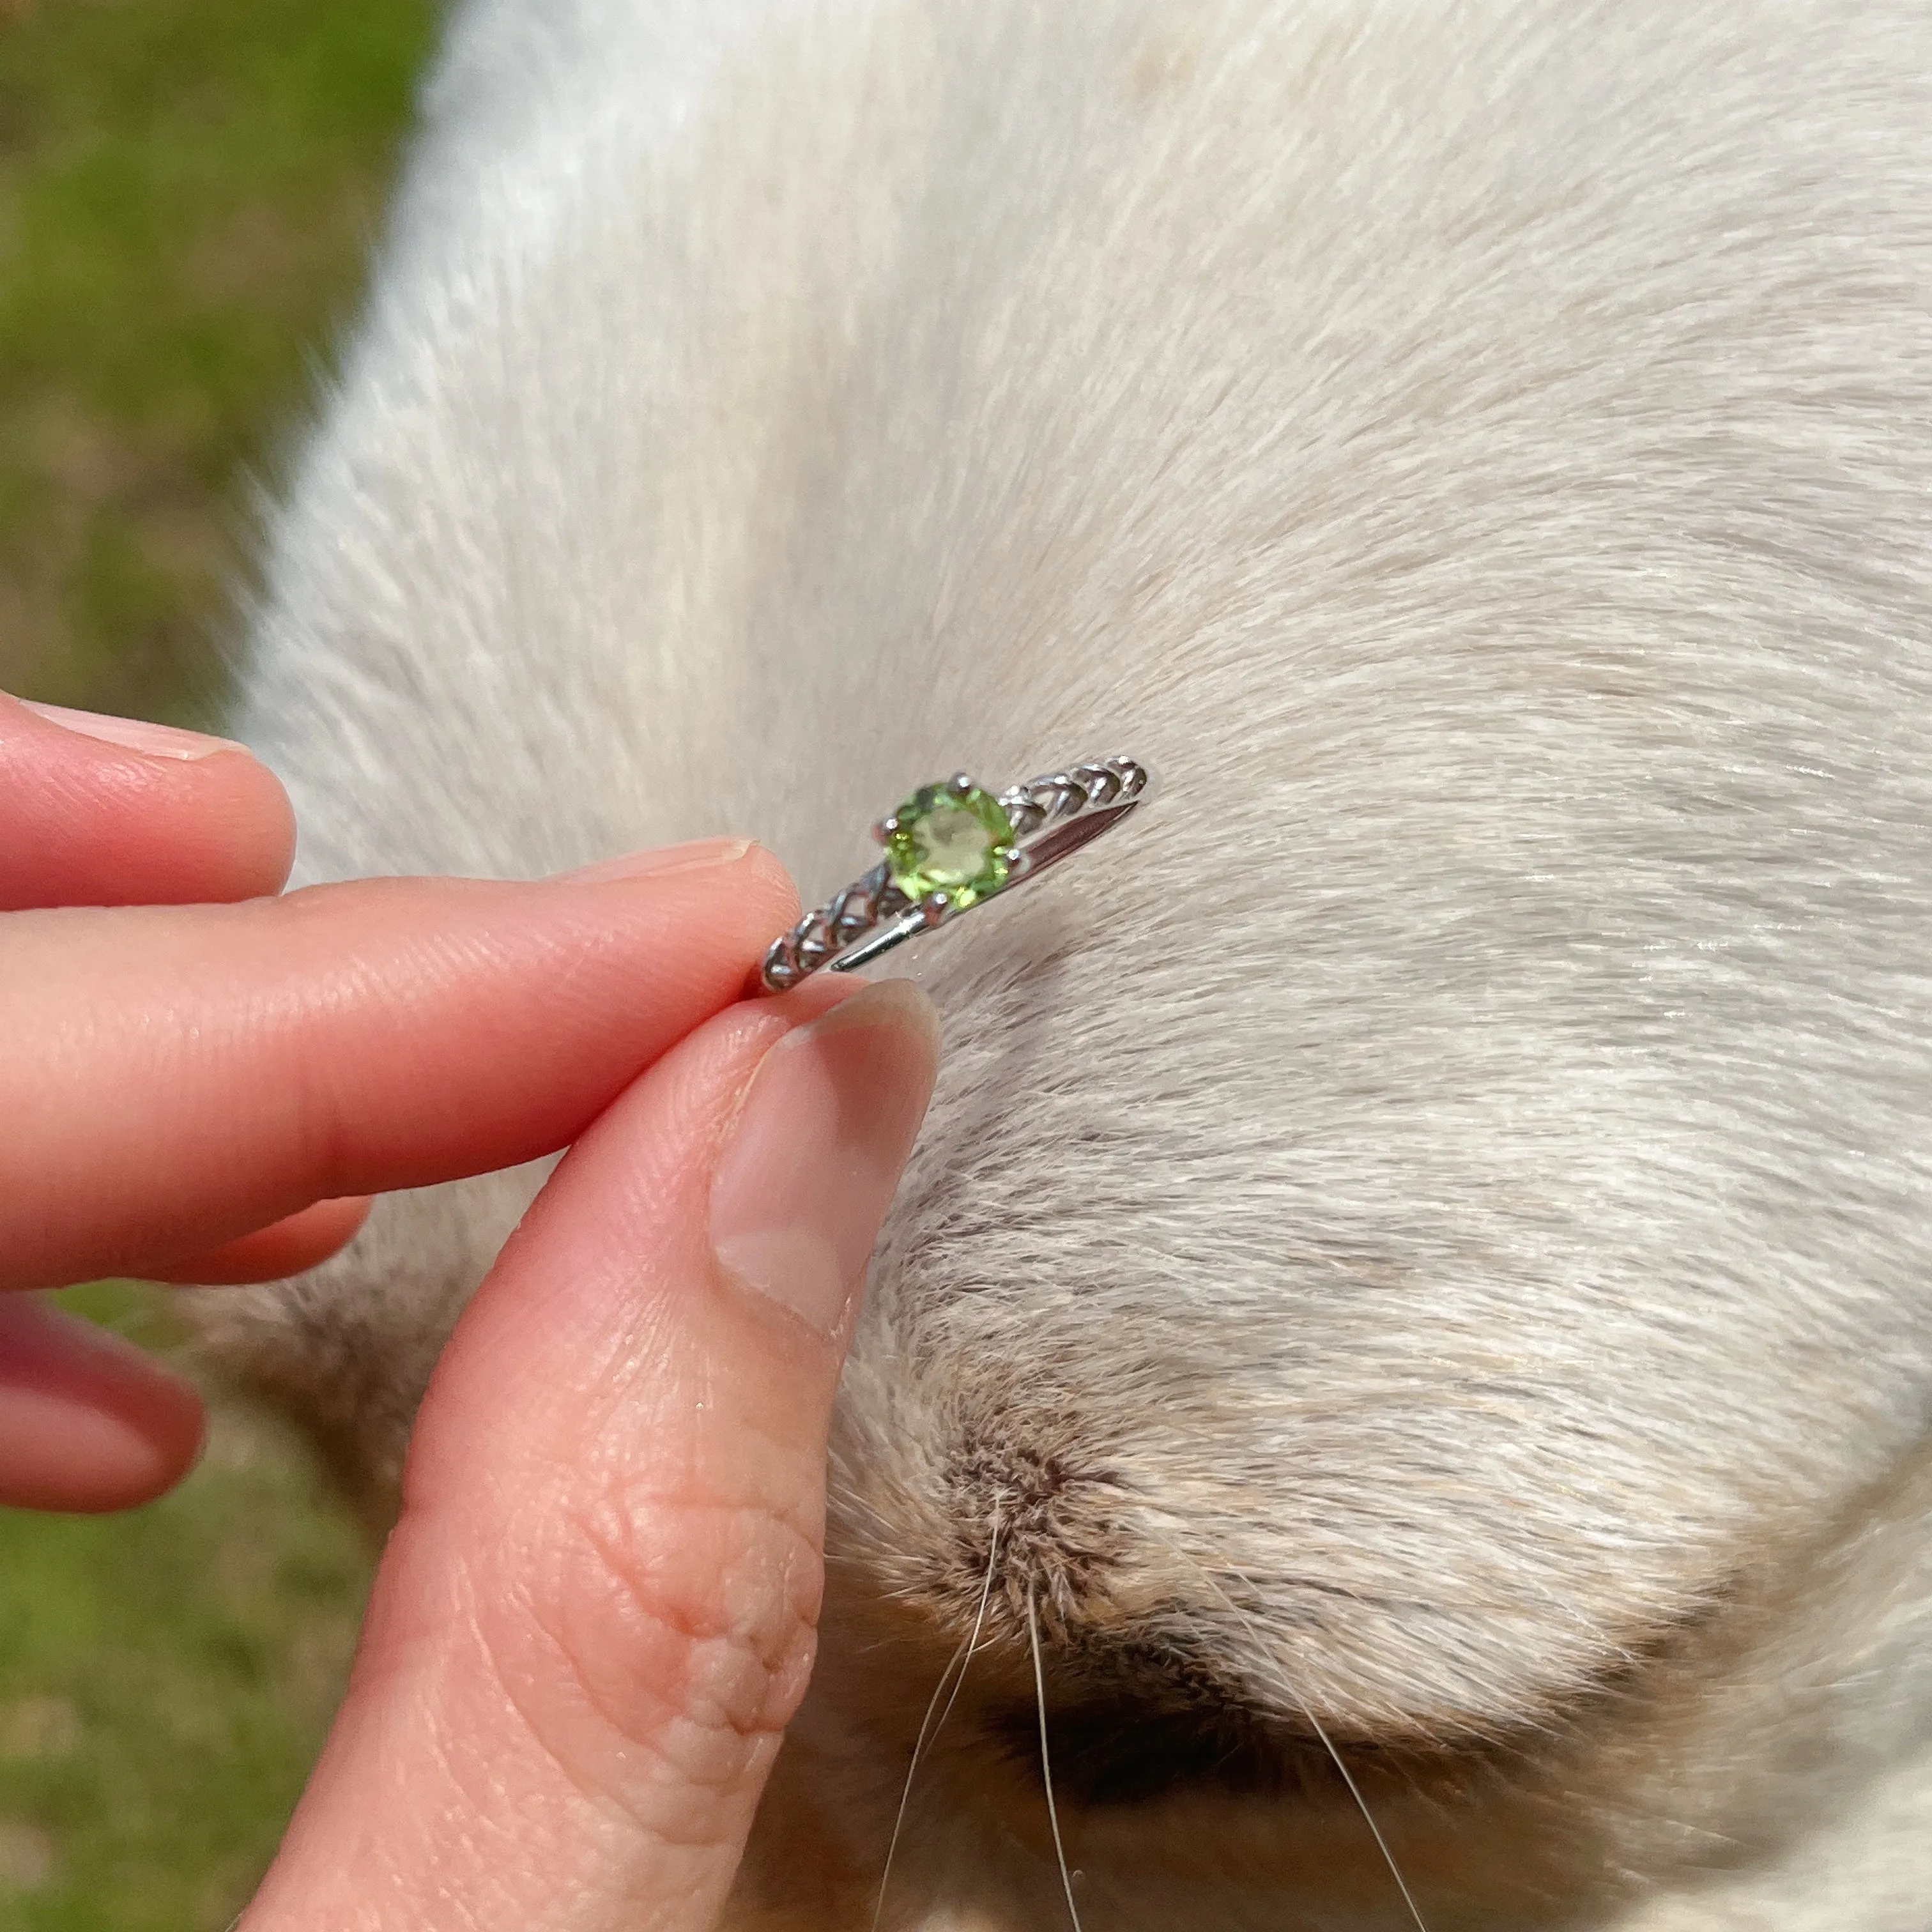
x=1052 y=817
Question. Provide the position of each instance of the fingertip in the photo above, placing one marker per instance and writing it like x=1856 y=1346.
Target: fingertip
x=136 y=734
x=234 y=838
x=88 y=1422
x=263 y=846
x=771 y=905
x=289 y=1246
x=107 y=811
x=762 y=901
x=768 y=877
x=816 y=1149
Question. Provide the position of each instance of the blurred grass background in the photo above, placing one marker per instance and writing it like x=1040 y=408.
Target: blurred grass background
x=187 y=190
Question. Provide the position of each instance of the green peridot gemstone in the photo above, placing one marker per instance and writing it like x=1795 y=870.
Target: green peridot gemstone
x=951 y=842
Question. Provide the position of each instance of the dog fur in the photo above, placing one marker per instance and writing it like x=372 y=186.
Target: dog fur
x=1422 y=1239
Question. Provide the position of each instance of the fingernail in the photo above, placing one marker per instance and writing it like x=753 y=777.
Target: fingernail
x=814 y=1157
x=137 y=734
x=667 y=859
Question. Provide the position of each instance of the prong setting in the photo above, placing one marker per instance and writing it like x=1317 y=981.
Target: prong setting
x=948 y=847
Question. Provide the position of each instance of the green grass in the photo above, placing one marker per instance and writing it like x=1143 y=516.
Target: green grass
x=186 y=190
x=166 y=1677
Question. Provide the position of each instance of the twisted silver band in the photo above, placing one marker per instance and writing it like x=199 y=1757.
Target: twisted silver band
x=1051 y=817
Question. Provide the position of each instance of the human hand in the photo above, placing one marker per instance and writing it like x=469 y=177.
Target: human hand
x=595 y=1617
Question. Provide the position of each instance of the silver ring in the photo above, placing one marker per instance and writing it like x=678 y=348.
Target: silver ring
x=950 y=847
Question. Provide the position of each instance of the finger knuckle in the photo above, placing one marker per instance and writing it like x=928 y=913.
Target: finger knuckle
x=677 y=1633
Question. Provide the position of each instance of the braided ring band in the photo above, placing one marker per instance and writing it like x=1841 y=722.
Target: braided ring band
x=949 y=846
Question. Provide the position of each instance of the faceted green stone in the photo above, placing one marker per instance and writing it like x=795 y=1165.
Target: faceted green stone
x=950 y=842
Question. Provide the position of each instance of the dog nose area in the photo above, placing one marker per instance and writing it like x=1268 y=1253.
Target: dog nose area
x=1052 y=1595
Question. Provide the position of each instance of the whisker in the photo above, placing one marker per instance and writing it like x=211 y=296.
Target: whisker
x=973 y=1642
x=1046 y=1763
x=1368 y=1816
x=928 y=1732
x=957 y=1660
x=1315 y=1724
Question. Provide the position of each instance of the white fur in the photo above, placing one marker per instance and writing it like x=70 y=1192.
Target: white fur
x=1428 y=1225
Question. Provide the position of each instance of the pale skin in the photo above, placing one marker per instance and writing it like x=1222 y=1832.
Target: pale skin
x=595 y=1617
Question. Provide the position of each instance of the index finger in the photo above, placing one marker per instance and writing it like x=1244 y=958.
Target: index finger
x=175 y=1077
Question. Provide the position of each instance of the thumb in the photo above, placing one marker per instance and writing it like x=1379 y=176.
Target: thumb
x=596 y=1615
